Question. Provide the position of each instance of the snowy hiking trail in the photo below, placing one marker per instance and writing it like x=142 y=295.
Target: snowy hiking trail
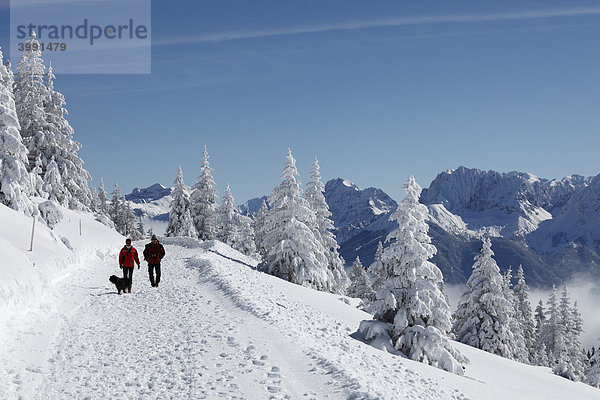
x=214 y=329
x=184 y=339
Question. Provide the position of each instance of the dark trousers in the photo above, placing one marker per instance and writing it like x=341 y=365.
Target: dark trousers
x=151 y=269
x=128 y=275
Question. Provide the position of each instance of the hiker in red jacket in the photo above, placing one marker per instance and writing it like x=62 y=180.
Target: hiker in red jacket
x=153 y=253
x=128 y=257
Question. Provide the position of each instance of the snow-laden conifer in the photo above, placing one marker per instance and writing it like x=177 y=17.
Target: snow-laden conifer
x=30 y=95
x=226 y=214
x=102 y=198
x=180 y=218
x=54 y=185
x=61 y=145
x=117 y=211
x=293 y=252
x=551 y=331
x=482 y=319
x=360 y=286
x=377 y=269
x=15 y=181
x=521 y=291
x=571 y=362
x=203 y=201
x=520 y=352
x=593 y=373
x=412 y=298
x=324 y=228
x=259 y=226
x=235 y=229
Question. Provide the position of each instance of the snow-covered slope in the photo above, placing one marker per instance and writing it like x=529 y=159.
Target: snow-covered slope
x=217 y=328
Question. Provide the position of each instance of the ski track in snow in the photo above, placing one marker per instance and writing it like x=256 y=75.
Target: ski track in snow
x=214 y=329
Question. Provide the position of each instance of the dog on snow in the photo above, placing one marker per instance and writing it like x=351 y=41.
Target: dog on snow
x=120 y=283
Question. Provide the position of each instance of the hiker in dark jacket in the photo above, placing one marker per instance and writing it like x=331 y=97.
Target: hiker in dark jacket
x=153 y=253
x=128 y=257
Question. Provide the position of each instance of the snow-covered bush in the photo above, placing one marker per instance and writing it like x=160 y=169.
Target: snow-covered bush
x=430 y=346
x=50 y=213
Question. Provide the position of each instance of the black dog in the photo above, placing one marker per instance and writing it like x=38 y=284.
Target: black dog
x=120 y=283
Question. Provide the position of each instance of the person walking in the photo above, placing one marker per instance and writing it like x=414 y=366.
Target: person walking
x=128 y=257
x=153 y=254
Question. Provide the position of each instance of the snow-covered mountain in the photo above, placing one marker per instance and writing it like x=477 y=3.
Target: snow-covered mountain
x=149 y=194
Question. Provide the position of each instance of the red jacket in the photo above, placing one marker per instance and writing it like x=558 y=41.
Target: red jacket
x=127 y=257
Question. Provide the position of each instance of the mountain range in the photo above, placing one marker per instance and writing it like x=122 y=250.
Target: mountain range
x=550 y=227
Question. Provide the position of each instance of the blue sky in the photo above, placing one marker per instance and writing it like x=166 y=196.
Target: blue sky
x=378 y=90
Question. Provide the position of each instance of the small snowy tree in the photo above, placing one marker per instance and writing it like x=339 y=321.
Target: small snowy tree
x=203 y=202
x=117 y=212
x=361 y=284
x=521 y=353
x=412 y=298
x=593 y=373
x=377 y=269
x=551 y=332
x=180 y=218
x=482 y=319
x=15 y=182
x=324 y=228
x=524 y=313
x=54 y=185
x=570 y=351
x=102 y=198
x=259 y=225
x=226 y=217
x=293 y=252
x=242 y=238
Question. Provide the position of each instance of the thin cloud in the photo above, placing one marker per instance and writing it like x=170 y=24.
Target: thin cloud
x=382 y=23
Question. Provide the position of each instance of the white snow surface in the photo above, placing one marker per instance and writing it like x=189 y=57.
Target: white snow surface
x=215 y=329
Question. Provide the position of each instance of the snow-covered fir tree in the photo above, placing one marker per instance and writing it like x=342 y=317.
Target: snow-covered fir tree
x=377 y=270
x=242 y=238
x=226 y=214
x=592 y=376
x=259 y=225
x=203 y=201
x=117 y=212
x=235 y=229
x=54 y=185
x=180 y=218
x=62 y=146
x=412 y=300
x=482 y=319
x=293 y=252
x=133 y=227
x=30 y=95
x=360 y=286
x=521 y=353
x=324 y=228
x=568 y=353
x=551 y=332
x=15 y=181
x=102 y=198
x=37 y=178
x=521 y=291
